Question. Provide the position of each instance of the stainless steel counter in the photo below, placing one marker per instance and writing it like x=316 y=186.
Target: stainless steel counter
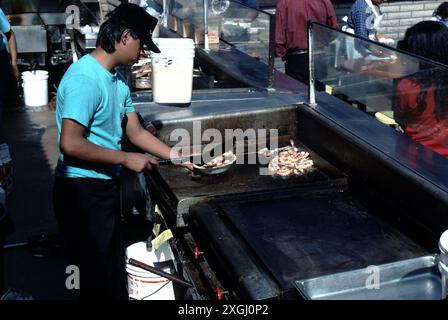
x=215 y=101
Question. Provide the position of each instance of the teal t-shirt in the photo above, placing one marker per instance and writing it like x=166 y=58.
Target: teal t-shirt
x=98 y=100
x=4 y=28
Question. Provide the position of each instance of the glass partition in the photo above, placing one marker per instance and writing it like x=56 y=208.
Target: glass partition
x=402 y=90
x=247 y=29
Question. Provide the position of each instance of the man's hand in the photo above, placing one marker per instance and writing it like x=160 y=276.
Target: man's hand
x=138 y=162
x=188 y=165
x=15 y=71
x=384 y=39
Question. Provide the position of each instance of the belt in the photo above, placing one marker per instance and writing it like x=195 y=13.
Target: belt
x=295 y=52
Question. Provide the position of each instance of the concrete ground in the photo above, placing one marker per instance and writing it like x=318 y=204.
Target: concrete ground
x=31 y=268
x=31 y=135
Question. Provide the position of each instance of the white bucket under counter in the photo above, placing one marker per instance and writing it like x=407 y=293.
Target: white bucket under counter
x=35 y=88
x=145 y=285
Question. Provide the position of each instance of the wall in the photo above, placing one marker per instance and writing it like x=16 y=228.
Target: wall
x=399 y=15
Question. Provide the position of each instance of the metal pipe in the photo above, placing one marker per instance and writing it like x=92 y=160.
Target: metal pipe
x=15 y=245
x=206 y=46
x=149 y=268
x=271 y=64
x=311 y=89
x=165 y=14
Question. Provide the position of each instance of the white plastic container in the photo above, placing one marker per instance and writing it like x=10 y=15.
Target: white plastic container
x=172 y=70
x=145 y=285
x=443 y=262
x=35 y=88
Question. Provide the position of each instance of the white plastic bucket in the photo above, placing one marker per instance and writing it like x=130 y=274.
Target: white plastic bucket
x=172 y=70
x=145 y=285
x=35 y=88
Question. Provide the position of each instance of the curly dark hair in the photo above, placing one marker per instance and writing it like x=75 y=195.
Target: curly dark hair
x=429 y=39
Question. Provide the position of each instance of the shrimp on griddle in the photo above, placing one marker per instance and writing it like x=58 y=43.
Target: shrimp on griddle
x=289 y=162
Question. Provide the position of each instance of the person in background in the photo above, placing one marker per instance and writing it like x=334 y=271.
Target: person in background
x=441 y=14
x=365 y=18
x=93 y=112
x=291 y=35
x=421 y=100
x=9 y=71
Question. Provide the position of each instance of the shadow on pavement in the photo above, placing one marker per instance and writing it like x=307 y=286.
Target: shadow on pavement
x=34 y=261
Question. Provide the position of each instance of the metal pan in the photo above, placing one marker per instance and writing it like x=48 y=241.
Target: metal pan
x=222 y=148
x=214 y=170
x=199 y=170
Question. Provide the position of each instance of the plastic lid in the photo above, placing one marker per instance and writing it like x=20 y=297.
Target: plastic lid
x=443 y=242
x=35 y=74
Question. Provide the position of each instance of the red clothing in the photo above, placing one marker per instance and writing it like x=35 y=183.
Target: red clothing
x=291 y=22
x=424 y=128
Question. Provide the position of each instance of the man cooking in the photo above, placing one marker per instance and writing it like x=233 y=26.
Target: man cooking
x=92 y=102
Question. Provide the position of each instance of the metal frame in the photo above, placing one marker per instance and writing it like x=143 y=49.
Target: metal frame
x=165 y=14
x=206 y=44
x=271 y=63
x=311 y=89
x=379 y=44
x=271 y=46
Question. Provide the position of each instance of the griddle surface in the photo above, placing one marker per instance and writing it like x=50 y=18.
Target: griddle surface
x=242 y=178
x=302 y=237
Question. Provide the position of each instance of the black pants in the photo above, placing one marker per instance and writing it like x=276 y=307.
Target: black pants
x=5 y=68
x=8 y=87
x=297 y=67
x=88 y=213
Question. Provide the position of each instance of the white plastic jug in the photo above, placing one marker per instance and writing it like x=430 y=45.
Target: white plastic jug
x=172 y=70
x=35 y=88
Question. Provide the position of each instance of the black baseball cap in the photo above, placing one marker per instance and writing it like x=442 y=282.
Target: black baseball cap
x=138 y=20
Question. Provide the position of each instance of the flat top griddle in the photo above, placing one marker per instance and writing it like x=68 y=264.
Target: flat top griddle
x=242 y=178
x=309 y=234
